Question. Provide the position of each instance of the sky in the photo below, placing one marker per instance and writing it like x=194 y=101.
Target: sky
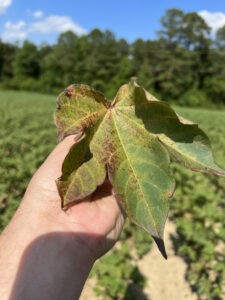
x=43 y=20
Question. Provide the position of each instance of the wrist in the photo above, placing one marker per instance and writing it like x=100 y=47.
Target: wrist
x=53 y=260
x=35 y=221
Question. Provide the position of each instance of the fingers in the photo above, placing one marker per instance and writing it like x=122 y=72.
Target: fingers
x=64 y=146
x=52 y=166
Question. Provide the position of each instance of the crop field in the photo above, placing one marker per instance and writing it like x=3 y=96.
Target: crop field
x=27 y=136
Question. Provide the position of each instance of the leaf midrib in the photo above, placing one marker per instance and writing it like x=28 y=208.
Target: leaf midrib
x=154 y=136
x=114 y=121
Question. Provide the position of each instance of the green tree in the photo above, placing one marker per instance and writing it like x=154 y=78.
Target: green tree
x=220 y=38
x=50 y=79
x=123 y=48
x=65 y=53
x=196 y=38
x=195 y=32
x=215 y=88
x=7 y=57
x=138 y=52
x=27 y=61
x=44 y=49
x=103 y=59
x=145 y=75
x=82 y=52
x=57 y=63
x=166 y=70
x=123 y=75
x=172 y=23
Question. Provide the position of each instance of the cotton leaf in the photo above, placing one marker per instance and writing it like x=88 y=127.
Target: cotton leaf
x=132 y=138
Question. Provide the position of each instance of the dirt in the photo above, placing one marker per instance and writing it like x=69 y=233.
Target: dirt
x=165 y=278
x=88 y=293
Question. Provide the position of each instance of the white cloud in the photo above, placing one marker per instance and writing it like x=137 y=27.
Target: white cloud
x=56 y=24
x=15 y=32
x=214 y=20
x=4 y=4
x=9 y=36
x=50 y=25
x=38 y=14
x=15 y=27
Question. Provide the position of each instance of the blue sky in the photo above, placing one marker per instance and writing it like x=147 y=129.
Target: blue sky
x=43 y=20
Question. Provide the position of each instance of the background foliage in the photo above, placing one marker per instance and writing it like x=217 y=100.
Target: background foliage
x=184 y=66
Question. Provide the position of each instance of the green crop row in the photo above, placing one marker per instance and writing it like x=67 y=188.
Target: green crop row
x=27 y=136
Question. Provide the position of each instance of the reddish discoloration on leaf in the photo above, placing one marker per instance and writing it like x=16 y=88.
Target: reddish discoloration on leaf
x=69 y=92
x=79 y=107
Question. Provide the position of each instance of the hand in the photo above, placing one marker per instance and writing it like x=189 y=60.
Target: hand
x=98 y=215
x=47 y=253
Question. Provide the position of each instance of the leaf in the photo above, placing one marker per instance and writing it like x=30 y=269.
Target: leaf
x=80 y=178
x=132 y=138
x=79 y=106
x=183 y=139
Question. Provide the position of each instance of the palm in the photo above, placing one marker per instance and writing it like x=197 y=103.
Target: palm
x=98 y=215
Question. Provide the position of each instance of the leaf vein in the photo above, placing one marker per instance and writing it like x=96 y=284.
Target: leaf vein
x=149 y=208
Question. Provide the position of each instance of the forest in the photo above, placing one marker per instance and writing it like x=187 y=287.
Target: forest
x=185 y=65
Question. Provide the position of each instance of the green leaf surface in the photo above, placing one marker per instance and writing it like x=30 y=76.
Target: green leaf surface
x=132 y=139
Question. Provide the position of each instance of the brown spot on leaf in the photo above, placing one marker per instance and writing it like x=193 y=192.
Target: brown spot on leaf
x=69 y=92
x=134 y=180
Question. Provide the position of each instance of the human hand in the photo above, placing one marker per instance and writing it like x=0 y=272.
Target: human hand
x=98 y=215
x=51 y=252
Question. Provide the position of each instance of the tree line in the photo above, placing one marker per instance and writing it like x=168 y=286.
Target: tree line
x=184 y=65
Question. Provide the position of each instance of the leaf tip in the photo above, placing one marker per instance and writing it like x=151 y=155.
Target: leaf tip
x=64 y=208
x=133 y=79
x=64 y=205
x=161 y=245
